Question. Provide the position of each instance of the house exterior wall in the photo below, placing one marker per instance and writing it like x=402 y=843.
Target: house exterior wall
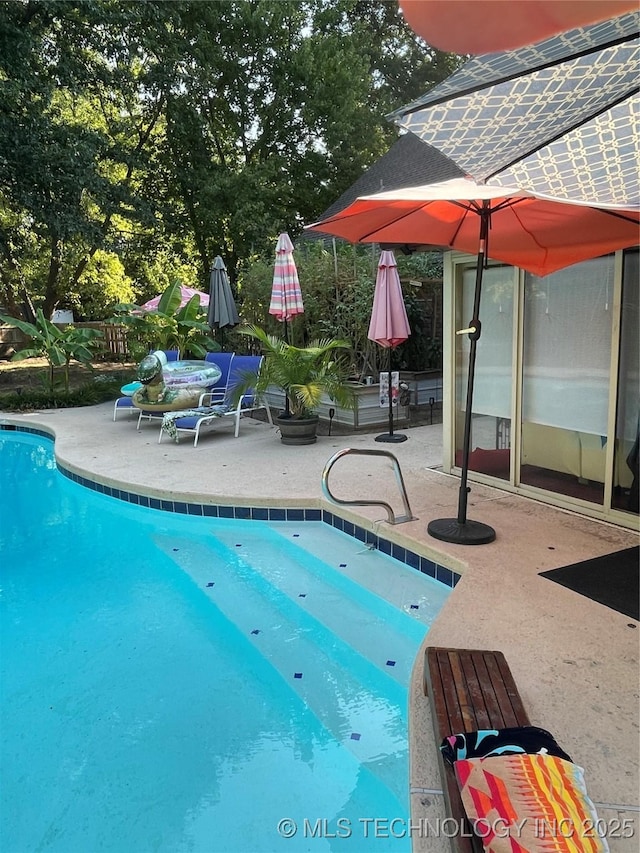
x=555 y=412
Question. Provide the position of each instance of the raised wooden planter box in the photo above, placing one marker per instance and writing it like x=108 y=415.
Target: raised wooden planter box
x=367 y=412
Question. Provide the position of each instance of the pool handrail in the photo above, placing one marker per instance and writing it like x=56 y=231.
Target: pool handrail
x=391 y=517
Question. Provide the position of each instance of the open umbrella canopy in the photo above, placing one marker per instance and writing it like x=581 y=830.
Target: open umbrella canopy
x=286 y=297
x=559 y=117
x=485 y=26
x=512 y=225
x=389 y=325
x=222 y=311
x=186 y=293
x=537 y=233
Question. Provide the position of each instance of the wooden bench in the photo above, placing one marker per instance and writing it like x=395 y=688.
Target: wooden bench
x=468 y=690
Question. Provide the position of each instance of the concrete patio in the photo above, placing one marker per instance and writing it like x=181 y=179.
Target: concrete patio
x=575 y=661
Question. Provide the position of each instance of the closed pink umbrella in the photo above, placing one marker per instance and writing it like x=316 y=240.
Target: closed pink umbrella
x=186 y=293
x=389 y=325
x=286 y=297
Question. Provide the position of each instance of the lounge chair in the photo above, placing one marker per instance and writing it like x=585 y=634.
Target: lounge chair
x=498 y=771
x=224 y=360
x=217 y=392
x=125 y=403
x=212 y=410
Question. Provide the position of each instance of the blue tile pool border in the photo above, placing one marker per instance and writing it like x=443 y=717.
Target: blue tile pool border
x=412 y=559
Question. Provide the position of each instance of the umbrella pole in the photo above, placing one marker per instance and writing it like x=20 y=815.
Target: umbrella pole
x=461 y=530
x=391 y=436
x=287 y=407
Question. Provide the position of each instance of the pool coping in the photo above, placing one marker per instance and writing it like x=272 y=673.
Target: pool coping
x=448 y=577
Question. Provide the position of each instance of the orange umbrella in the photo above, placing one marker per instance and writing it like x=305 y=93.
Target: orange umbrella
x=531 y=231
x=485 y=26
x=536 y=233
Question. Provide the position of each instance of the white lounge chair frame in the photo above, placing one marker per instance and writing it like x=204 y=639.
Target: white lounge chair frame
x=249 y=402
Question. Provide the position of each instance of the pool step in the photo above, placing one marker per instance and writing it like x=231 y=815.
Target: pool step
x=418 y=595
x=357 y=614
x=305 y=652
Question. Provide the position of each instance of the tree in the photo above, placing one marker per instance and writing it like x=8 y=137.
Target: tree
x=184 y=130
x=74 y=126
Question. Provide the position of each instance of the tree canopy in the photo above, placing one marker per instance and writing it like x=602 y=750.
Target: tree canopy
x=145 y=138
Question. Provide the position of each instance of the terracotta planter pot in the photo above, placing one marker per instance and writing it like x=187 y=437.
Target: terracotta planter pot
x=298 y=430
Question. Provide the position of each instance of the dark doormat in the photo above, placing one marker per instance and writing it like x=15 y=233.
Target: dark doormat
x=612 y=580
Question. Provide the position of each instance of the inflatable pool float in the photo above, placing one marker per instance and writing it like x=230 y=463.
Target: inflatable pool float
x=168 y=386
x=201 y=373
x=130 y=389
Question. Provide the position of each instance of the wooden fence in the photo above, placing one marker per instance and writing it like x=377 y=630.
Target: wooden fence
x=11 y=339
x=114 y=341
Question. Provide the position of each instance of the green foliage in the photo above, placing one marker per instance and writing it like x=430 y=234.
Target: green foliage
x=103 y=285
x=338 y=290
x=169 y=327
x=167 y=133
x=89 y=394
x=153 y=268
x=420 y=351
x=58 y=345
x=420 y=265
x=303 y=373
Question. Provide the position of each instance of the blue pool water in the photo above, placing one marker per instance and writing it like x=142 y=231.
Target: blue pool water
x=172 y=683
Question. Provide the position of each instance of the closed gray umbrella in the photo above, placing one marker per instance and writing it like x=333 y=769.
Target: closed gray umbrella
x=222 y=307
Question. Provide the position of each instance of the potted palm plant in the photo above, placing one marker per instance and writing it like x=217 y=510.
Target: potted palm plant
x=304 y=374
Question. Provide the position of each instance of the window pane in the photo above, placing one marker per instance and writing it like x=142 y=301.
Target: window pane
x=625 y=473
x=491 y=424
x=567 y=349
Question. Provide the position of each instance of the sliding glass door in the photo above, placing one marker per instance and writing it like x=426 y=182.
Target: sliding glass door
x=565 y=384
x=626 y=454
x=556 y=406
x=491 y=423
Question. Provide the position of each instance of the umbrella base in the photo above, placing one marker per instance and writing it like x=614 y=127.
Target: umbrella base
x=468 y=533
x=391 y=436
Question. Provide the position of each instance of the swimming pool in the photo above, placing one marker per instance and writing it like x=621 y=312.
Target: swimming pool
x=177 y=683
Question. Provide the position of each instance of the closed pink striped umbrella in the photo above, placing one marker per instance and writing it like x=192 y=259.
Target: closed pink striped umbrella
x=389 y=325
x=286 y=297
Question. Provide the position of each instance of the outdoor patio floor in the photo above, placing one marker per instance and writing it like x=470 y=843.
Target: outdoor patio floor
x=575 y=661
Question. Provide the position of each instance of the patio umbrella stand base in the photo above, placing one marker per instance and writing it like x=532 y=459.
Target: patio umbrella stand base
x=462 y=533
x=394 y=437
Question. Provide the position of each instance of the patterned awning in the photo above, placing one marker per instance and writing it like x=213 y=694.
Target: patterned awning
x=559 y=117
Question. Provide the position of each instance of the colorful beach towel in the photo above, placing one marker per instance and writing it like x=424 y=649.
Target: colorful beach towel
x=529 y=804
x=486 y=742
